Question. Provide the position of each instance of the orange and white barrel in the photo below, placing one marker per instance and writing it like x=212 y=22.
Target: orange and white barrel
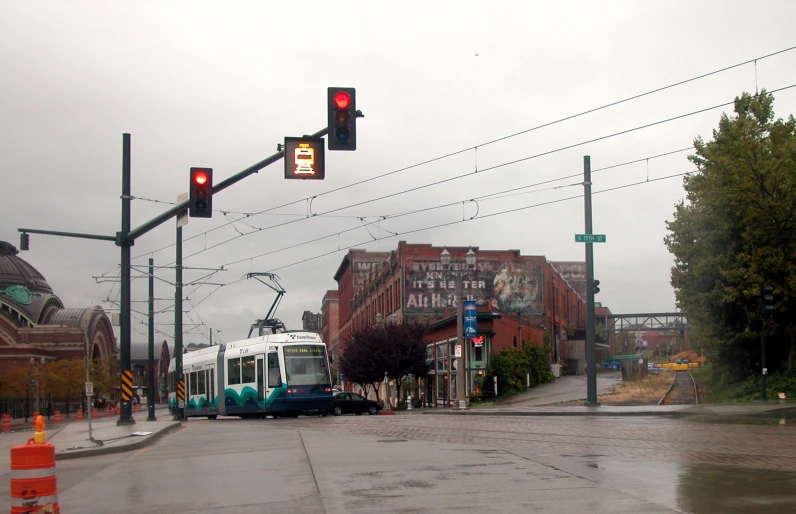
x=33 y=484
x=6 y=423
x=58 y=417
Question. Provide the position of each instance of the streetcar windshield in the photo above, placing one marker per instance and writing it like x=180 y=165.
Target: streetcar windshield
x=306 y=365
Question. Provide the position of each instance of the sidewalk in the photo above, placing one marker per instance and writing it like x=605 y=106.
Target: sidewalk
x=71 y=440
x=564 y=389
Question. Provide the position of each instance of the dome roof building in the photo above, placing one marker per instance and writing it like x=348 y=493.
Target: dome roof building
x=35 y=324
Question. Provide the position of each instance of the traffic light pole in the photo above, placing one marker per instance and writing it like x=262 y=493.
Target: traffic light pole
x=179 y=411
x=591 y=360
x=125 y=239
x=126 y=408
x=150 y=395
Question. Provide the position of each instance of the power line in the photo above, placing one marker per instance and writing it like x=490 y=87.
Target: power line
x=508 y=211
x=485 y=197
x=440 y=225
x=470 y=173
x=475 y=147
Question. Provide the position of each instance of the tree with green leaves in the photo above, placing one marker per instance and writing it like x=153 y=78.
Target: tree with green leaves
x=735 y=231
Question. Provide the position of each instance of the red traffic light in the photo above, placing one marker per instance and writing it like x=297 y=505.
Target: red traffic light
x=342 y=100
x=200 y=178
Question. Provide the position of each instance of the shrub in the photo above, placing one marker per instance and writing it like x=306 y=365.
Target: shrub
x=512 y=365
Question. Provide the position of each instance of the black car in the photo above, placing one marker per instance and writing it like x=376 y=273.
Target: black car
x=346 y=403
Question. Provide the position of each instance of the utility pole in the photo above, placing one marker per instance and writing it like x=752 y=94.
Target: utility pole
x=126 y=411
x=766 y=305
x=150 y=395
x=210 y=329
x=591 y=360
x=180 y=410
x=461 y=373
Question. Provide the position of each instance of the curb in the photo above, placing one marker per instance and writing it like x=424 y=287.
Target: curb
x=562 y=413
x=687 y=412
x=107 y=450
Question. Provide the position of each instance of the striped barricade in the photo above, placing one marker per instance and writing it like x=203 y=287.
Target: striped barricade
x=33 y=484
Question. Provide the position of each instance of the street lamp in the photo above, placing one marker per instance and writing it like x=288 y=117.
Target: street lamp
x=387 y=403
x=461 y=362
x=89 y=389
x=37 y=369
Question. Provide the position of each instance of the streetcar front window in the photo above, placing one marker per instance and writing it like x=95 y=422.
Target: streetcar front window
x=306 y=365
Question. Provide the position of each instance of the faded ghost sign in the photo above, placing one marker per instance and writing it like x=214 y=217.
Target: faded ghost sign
x=513 y=286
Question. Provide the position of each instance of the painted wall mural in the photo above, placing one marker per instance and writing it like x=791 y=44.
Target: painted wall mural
x=513 y=286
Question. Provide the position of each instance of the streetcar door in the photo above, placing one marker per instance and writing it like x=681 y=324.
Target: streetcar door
x=212 y=383
x=260 y=379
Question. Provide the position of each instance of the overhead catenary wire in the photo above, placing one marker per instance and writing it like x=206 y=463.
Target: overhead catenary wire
x=484 y=197
x=470 y=174
x=451 y=223
x=503 y=138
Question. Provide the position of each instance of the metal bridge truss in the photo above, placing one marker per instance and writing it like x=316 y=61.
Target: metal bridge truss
x=665 y=321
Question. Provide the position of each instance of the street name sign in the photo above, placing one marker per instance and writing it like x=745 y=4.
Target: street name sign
x=589 y=238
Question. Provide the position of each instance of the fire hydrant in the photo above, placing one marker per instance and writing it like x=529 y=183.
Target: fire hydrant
x=409 y=402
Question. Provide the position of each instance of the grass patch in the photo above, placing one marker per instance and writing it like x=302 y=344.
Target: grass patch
x=715 y=387
x=646 y=391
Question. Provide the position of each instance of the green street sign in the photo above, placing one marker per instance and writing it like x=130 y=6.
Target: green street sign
x=589 y=238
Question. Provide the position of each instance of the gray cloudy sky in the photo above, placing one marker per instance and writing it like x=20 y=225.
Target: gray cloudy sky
x=219 y=85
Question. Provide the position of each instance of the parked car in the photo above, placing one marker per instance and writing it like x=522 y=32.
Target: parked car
x=347 y=403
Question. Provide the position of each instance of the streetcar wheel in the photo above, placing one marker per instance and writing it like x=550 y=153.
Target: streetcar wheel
x=337 y=411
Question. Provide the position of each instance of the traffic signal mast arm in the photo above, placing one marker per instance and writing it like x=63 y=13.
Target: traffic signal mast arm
x=177 y=209
x=183 y=206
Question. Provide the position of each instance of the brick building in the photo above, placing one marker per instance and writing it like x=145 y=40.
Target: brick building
x=330 y=327
x=519 y=299
x=312 y=321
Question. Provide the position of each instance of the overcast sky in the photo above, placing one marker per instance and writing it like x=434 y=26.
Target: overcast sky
x=220 y=85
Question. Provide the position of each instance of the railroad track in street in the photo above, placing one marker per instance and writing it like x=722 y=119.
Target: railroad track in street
x=683 y=390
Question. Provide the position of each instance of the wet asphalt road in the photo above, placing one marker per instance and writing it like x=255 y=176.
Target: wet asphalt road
x=429 y=463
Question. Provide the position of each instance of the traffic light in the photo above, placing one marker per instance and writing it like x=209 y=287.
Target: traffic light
x=201 y=193
x=24 y=242
x=595 y=287
x=766 y=299
x=342 y=118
